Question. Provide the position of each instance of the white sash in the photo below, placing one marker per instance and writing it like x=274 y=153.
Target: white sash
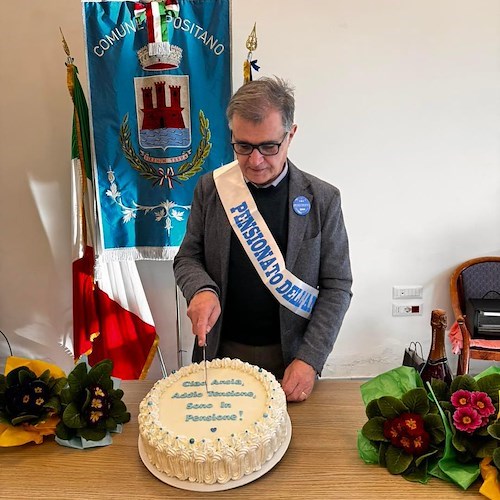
x=259 y=243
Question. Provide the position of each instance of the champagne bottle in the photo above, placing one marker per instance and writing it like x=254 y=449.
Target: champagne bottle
x=436 y=365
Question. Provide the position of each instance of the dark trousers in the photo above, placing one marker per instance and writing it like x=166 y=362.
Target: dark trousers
x=269 y=357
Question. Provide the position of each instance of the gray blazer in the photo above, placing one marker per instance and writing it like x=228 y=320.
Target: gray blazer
x=317 y=253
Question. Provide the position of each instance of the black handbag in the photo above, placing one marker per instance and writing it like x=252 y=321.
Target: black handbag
x=413 y=356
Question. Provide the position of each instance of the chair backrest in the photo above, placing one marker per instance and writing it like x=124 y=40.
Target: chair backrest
x=479 y=279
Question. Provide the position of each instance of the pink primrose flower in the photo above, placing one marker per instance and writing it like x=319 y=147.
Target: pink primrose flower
x=481 y=402
x=461 y=398
x=467 y=419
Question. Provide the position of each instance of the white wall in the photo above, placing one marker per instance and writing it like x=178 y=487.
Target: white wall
x=398 y=105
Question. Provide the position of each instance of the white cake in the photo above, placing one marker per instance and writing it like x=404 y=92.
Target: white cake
x=214 y=434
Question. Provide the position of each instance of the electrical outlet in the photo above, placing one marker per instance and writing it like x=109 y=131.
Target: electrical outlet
x=407 y=310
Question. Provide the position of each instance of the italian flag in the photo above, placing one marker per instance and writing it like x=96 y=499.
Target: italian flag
x=157 y=27
x=111 y=316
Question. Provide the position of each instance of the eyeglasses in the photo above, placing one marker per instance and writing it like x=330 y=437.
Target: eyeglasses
x=265 y=149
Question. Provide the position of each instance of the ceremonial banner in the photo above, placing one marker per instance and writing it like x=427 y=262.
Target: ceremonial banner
x=160 y=80
x=111 y=316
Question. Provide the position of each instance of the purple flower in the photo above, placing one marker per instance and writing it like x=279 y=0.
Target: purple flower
x=467 y=419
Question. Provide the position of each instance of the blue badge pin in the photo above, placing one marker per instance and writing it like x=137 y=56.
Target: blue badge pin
x=301 y=205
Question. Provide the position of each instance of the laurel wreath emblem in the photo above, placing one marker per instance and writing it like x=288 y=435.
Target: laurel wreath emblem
x=160 y=175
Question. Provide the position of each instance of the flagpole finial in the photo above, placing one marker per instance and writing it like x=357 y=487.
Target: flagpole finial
x=251 y=44
x=66 y=49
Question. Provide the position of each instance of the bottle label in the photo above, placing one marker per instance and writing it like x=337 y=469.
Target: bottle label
x=440 y=361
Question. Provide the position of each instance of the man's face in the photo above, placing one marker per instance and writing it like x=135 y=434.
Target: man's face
x=256 y=167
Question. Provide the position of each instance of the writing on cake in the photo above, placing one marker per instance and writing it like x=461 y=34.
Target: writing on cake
x=212 y=394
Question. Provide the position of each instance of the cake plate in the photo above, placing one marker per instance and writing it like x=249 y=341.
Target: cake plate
x=232 y=483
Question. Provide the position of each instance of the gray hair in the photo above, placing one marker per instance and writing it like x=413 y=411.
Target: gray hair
x=255 y=99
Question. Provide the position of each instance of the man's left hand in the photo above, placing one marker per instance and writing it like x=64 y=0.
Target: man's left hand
x=298 y=381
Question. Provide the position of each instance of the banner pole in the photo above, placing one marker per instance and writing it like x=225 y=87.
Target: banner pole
x=162 y=363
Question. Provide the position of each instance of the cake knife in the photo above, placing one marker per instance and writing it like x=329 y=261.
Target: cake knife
x=205 y=363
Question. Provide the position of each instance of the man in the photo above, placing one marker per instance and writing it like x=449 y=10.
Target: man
x=264 y=264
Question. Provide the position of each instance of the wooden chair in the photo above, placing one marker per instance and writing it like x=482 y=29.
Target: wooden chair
x=475 y=278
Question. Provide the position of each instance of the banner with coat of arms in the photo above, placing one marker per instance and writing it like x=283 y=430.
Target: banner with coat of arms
x=160 y=80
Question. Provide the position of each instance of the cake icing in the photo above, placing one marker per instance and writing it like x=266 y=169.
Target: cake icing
x=216 y=433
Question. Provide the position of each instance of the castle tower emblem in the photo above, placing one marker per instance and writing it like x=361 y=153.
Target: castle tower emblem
x=163 y=114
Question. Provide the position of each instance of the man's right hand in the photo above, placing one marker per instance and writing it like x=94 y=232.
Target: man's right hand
x=203 y=311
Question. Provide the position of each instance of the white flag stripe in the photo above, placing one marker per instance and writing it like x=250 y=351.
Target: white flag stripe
x=155 y=10
x=122 y=282
x=78 y=245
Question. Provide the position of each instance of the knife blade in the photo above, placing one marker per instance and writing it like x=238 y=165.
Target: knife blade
x=205 y=363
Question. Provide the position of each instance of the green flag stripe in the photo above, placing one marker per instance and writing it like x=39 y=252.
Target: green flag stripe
x=81 y=118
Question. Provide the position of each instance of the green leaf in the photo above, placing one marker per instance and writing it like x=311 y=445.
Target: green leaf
x=13 y=376
x=54 y=403
x=25 y=375
x=434 y=426
x=105 y=367
x=494 y=430
x=100 y=373
x=421 y=458
x=45 y=376
x=381 y=454
x=483 y=432
x=465 y=382
x=66 y=396
x=391 y=407
x=367 y=450
x=440 y=389
x=72 y=417
x=447 y=406
x=496 y=458
x=459 y=442
x=86 y=402
x=397 y=460
x=374 y=429
x=63 y=432
x=77 y=379
x=59 y=384
x=118 y=410
x=122 y=418
x=416 y=401
x=24 y=418
x=116 y=393
x=100 y=425
x=490 y=384
x=417 y=475
x=486 y=449
x=111 y=424
x=433 y=407
x=93 y=434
